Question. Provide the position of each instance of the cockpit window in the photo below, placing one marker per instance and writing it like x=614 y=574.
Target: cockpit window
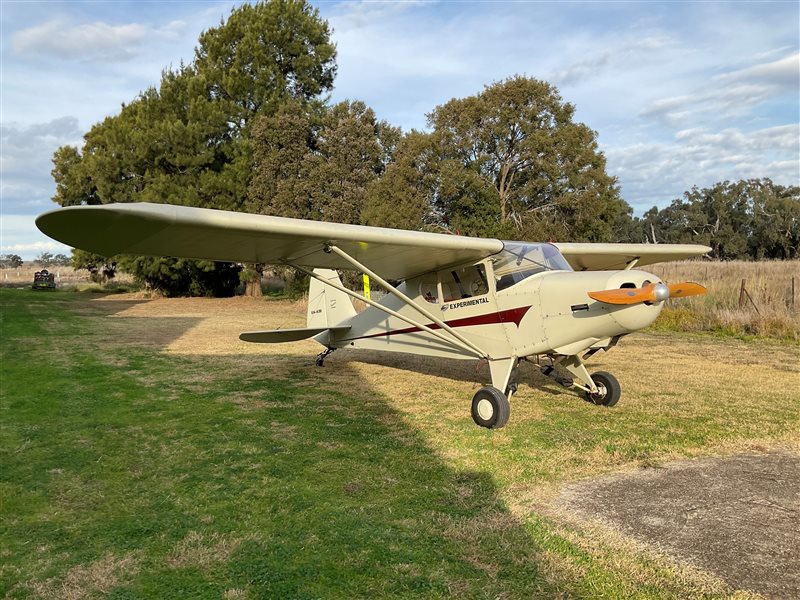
x=463 y=283
x=519 y=261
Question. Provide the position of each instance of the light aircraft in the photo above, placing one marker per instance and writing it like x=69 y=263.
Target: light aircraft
x=450 y=296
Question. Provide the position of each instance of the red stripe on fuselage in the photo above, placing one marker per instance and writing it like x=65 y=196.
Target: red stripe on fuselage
x=512 y=315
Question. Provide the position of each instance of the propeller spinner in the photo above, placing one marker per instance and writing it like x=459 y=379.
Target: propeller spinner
x=652 y=292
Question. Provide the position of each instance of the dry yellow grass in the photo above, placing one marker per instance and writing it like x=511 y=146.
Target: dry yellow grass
x=94 y=580
x=203 y=551
x=773 y=311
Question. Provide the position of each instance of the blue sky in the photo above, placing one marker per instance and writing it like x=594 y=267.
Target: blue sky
x=680 y=93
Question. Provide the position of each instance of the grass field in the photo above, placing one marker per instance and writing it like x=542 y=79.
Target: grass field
x=770 y=308
x=147 y=453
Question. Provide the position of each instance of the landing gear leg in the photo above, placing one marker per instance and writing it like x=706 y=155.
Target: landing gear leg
x=599 y=388
x=504 y=374
x=320 y=360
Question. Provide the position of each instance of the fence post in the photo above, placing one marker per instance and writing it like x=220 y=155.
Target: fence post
x=742 y=292
x=792 y=291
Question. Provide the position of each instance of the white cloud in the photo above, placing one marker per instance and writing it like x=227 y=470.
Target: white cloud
x=19 y=235
x=781 y=138
x=652 y=172
x=772 y=52
x=27 y=251
x=351 y=16
x=783 y=73
x=621 y=55
x=25 y=163
x=95 y=42
x=731 y=94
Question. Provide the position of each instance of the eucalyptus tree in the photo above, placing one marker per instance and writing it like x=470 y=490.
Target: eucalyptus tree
x=752 y=218
x=513 y=157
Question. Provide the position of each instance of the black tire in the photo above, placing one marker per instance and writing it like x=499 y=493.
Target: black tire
x=490 y=408
x=609 y=389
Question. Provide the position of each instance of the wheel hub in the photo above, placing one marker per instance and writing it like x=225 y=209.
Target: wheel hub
x=601 y=392
x=485 y=409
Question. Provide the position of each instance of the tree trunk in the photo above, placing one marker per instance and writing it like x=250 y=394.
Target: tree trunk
x=252 y=287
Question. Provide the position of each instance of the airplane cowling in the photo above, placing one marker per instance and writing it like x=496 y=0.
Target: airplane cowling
x=572 y=320
x=637 y=316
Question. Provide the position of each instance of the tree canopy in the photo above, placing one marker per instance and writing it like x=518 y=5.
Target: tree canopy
x=511 y=162
x=318 y=164
x=10 y=261
x=752 y=218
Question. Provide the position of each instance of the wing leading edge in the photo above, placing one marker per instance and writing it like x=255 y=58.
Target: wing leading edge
x=202 y=233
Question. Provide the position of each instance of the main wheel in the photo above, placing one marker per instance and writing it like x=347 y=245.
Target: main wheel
x=608 y=389
x=490 y=408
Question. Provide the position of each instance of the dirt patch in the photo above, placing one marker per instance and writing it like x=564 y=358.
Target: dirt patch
x=202 y=551
x=207 y=326
x=87 y=581
x=737 y=517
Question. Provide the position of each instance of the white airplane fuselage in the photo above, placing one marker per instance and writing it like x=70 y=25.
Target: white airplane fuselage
x=546 y=313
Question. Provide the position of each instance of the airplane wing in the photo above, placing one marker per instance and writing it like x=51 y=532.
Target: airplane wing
x=609 y=257
x=201 y=233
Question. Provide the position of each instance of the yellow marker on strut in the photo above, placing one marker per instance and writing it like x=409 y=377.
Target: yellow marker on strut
x=366 y=287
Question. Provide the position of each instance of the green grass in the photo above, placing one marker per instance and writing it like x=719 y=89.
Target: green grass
x=130 y=473
x=314 y=502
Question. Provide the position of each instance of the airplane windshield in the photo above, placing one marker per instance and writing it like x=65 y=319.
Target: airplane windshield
x=519 y=261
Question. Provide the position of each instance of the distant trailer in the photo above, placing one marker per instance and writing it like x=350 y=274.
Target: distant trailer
x=44 y=280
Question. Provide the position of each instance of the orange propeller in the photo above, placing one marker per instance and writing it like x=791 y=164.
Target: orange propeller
x=685 y=289
x=652 y=292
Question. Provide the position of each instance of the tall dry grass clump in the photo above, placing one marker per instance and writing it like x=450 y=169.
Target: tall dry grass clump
x=766 y=308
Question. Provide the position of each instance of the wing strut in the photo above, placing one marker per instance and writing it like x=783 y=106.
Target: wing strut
x=631 y=263
x=392 y=290
x=389 y=311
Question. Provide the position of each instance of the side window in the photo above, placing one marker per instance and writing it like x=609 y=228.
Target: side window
x=464 y=283
x=428 y=289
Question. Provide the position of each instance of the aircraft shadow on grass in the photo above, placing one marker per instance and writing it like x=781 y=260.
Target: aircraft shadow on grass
x=345 y=497
x=476 y=372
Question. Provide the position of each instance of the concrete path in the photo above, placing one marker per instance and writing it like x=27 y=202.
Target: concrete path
x=736 y=517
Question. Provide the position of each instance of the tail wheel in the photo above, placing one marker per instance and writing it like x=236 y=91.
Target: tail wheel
x=490 y=408
x=608 y=389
